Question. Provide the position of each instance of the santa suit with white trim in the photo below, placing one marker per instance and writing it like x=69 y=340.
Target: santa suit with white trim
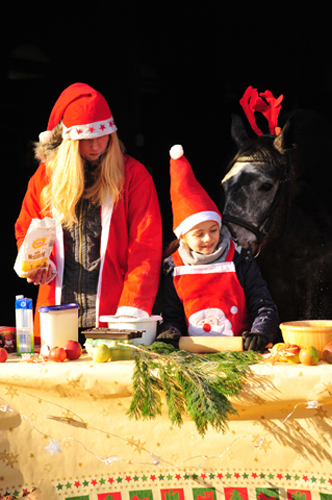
x=213 y=299
x=131 y=238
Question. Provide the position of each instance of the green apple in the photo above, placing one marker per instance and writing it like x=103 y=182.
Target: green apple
x=101 y=353
x=309 y=355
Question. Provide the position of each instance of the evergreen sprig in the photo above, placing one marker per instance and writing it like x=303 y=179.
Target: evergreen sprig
x=199 y=385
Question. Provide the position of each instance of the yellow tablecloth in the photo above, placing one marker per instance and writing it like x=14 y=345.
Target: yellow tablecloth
x=65 y=424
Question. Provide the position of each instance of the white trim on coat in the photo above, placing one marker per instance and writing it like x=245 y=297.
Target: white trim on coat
x=223 y=267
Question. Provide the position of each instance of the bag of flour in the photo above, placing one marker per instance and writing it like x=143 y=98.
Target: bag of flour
x=36 y=248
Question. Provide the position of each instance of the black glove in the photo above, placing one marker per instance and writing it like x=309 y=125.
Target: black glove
x=170 y=336
x=254 y=341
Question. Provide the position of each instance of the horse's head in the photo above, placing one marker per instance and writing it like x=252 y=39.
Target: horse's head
x=256 y=185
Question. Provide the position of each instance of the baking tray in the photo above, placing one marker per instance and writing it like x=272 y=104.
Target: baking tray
x=112 y=333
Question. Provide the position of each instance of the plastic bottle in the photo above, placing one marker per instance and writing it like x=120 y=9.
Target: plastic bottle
x=24 y=325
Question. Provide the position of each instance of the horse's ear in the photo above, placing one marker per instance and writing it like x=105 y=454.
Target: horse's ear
x=285 y=140
x=238 y=131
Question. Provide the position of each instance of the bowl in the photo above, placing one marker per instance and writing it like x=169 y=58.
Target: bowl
x=149 y=325
x=315 y=332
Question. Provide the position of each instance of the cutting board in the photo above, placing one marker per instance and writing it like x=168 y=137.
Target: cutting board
x=210 y=344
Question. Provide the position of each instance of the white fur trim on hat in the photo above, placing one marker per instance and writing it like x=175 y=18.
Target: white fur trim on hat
x=195 y=219
x=45 y=137
x=176 y=151
x=89 y=131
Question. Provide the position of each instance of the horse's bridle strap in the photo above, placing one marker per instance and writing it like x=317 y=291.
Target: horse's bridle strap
x=259 y=233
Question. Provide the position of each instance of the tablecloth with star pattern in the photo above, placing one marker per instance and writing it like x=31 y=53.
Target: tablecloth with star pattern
x=64 y=426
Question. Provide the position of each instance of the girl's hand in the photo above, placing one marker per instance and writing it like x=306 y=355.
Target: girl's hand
x=41 y=277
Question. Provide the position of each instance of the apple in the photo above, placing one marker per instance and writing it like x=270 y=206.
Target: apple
x=101 y=353
x=327 y=353
x=73 y=349
x=57 y=354
x=309 y=355
x=3 y=355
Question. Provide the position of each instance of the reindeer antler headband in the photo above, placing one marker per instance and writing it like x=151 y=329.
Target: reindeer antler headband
x=264 y=103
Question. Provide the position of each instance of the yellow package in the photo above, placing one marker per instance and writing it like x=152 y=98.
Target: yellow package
x=36 y=248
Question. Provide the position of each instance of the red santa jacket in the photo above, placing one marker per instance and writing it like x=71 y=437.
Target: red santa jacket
x=213 y=300
x=131 y=246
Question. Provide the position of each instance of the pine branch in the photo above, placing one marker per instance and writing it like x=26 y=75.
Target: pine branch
x=198 y=385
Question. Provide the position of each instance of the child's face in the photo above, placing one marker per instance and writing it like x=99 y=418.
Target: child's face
x=203 y=238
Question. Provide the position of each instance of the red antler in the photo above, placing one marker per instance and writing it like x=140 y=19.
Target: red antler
x=264 y=103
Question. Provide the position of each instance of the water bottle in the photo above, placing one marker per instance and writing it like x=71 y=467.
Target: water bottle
x=24 y=325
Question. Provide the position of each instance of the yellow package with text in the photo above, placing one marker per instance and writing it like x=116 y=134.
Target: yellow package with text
x=36 y=248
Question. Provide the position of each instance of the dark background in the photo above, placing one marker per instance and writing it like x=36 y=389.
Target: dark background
x=171 y=74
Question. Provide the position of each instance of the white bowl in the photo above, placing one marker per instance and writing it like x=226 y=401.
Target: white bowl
x=147 y=324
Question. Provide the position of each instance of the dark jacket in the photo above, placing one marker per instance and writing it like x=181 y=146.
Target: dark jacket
x=261 y=307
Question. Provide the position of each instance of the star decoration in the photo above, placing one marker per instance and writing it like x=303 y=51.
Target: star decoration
x=321 y=413
x=53 y=447
x=137 y=445
x=11 y=392
x=74 y=382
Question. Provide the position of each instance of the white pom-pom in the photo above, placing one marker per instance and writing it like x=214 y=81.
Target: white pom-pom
x=45 y=137
x=176 y=151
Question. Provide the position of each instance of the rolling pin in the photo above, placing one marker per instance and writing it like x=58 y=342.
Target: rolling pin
x=210 y=344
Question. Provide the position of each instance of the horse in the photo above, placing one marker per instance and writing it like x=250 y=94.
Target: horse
x=278 y=203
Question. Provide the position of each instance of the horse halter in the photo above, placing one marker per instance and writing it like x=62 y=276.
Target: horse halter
x=268 y=216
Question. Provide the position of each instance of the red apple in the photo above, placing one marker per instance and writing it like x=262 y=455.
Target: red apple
x=73 y=349
x=57 y=354
x=327 y=353
x=309 y=355
x=3 y=355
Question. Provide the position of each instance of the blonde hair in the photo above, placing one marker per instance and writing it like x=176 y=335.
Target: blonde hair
x=65 y=171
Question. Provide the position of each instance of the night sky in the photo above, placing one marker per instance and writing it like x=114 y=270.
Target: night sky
x=170 y=74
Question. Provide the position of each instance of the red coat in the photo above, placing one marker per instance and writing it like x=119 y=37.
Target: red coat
x=131 y=246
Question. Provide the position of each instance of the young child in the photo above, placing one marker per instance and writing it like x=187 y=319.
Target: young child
x=209 y=287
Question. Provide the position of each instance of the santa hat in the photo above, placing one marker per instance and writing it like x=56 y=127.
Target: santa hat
x=84 y=112
x=191 y=204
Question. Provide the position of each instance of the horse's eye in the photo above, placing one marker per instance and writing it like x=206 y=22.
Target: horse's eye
x=266 y=187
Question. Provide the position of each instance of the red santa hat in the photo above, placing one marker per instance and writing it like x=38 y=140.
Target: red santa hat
x=84 y=112
x=191 y=204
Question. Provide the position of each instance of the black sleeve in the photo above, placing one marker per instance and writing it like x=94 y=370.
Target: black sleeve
x=173 y=313
x=262 y=308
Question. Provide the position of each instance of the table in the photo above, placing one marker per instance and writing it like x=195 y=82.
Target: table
x=65 y=424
